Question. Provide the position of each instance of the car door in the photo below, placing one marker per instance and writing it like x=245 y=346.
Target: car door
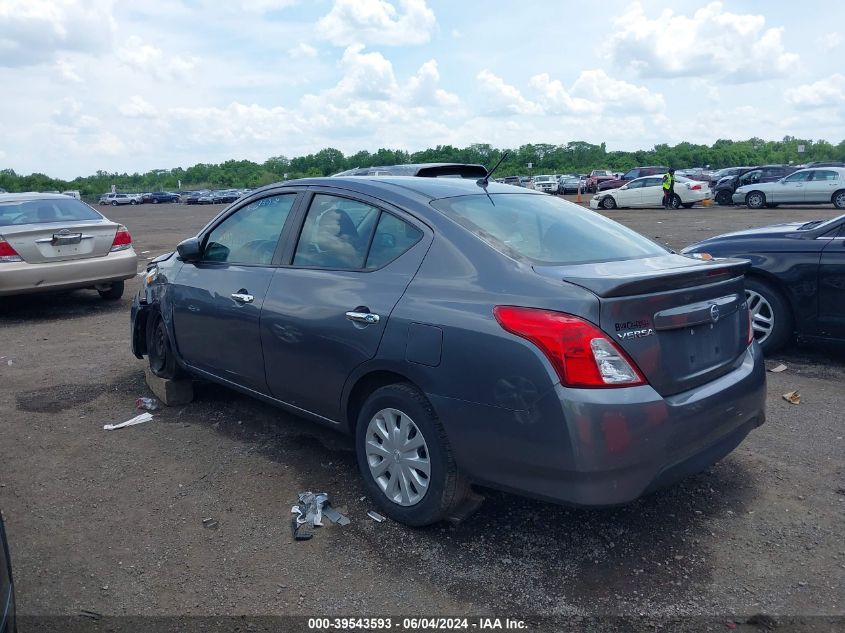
x=651 y=192
x=789 y=189
x=326 y=310
x=629 y=195
x=822 y=184
x=832 y=287
x=217 y=301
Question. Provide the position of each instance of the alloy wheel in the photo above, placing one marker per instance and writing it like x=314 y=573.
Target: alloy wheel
x=398 y=457
x=762 y=315
x=839 y=200
x=755 y=200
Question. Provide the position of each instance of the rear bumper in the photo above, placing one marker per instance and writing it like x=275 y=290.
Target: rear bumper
x=604 y=447
x=23 y=278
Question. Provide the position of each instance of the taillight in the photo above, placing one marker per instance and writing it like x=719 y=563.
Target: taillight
x=696 y=187
x=7 y=253
x=582 y=355
x=122 y=239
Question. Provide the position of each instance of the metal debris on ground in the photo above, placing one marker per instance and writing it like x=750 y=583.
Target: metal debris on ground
x=792 y=397
x=210 y=524
x=149 y=404
x=93 y=615
x=309 y=511
x=375 y=516
x=138 y=419
x=777 y=369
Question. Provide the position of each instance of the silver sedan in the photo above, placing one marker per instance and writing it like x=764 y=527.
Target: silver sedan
x=54 y=242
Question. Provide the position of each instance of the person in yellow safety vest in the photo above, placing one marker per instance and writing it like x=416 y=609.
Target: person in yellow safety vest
x=668 y=189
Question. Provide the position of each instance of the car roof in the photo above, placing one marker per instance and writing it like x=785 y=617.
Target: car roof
x=469 y=170
x=431 y=188
x=32 y=195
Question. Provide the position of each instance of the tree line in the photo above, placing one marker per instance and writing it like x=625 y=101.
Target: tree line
x=573 y=157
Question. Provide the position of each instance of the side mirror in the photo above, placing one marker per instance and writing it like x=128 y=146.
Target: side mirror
x=189 y=250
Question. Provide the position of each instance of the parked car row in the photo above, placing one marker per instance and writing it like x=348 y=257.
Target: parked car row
x=204 y=196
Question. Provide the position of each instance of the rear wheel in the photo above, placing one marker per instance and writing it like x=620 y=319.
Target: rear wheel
x=159 y=351
x=608 y=202
x=839 y=199
x=724 y=198
x=405 y=458
x=771 y=319
x=133 y=202
x=114 y=203
x=755 y=200
x=113 y=292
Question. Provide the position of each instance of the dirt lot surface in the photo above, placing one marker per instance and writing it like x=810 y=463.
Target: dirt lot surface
x=112 y=522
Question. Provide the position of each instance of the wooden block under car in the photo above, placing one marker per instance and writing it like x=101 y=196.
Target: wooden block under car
x=171 y=392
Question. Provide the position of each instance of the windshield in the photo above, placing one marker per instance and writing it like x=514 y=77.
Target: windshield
x=63 y=209
x=546 y=229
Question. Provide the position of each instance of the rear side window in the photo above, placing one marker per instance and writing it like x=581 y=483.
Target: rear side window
x=336 y=233
x=393 y=237
x=250 y=234
x=825 y=174
x=546 y=229
x=48 y=210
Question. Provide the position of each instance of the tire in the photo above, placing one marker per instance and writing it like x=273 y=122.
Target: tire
x=155 y=200
x=389 y=408
x=114 y=203
x=838 y=199
x=160 y=354
x=724 y=198
x=608 y=203
x=755 y=200
x=114 y=293
x=676 y=201
x=770 y=312
x=132 y=202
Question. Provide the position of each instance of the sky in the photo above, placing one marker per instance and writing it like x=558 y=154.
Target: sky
x=126 y=86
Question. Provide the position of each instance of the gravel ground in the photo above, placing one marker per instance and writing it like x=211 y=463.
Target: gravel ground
x=111 y=522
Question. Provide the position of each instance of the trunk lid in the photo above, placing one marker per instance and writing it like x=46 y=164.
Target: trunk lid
x=684 y=322
x=61 y=241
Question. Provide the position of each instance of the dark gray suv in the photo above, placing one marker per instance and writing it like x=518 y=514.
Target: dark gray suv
x=464 y=334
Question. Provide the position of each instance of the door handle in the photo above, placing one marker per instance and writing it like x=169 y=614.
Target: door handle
x=242 y=297
x=362 y=317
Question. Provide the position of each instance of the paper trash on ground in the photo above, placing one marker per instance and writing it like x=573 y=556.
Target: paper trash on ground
x=138 y=419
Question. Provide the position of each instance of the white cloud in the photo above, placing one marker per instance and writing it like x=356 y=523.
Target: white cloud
x=736 y=47
x=615 y=94
x=831 y=40
x=152 y=60
x=67 y=71
x=503 y=97
x=825 y=93
x=70 y=115
x=138 y=108
x=424 y=88
x=377 y=22
x=557 y=100
x=303 y=50
x=34 y=31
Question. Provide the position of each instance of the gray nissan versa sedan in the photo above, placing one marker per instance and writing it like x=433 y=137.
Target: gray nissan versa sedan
x=464 y=334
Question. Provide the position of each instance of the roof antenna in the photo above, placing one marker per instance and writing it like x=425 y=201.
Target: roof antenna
x=483 y=182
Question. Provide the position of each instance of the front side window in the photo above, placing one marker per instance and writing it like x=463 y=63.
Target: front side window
x=336 y=233
x=546 y=229
x=750 y=178
x=636 y=184
x=653 y=182
x=250 y=235
x=798 y=176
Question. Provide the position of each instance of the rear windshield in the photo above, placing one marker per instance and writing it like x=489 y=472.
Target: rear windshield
x=545 y=229
x=16 y=212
